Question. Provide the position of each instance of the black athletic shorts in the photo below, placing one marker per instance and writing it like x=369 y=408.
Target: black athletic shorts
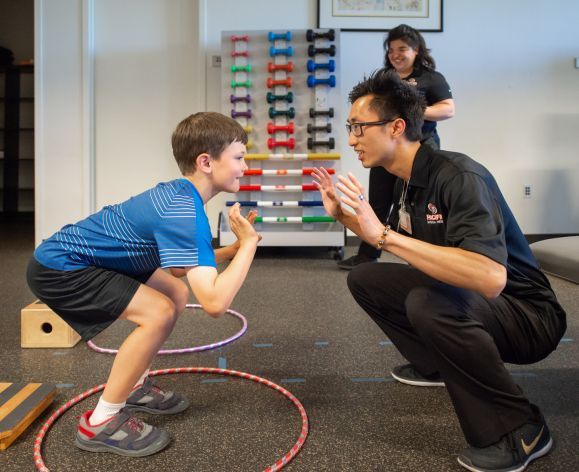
x=89 y=300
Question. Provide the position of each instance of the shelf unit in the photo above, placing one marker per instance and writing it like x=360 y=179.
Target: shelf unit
x=16 y=140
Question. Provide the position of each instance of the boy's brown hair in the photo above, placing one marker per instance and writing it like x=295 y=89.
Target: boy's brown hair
x=204 y=132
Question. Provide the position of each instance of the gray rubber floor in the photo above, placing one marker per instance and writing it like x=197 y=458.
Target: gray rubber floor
x=305 y=333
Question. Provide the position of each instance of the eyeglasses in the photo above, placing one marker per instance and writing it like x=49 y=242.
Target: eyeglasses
x=357 y=129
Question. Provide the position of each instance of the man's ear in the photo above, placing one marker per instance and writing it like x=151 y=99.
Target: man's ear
x=203 y=162
x=398 y=127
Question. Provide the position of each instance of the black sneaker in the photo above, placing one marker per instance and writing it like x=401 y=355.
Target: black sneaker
x=351 y=262
x=407 y=374
x=513 y=452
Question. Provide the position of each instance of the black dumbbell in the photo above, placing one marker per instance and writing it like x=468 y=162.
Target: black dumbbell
x=311 y=35
x=312 y=50
x=314 y=113
x=327 y=128
x=330 y=143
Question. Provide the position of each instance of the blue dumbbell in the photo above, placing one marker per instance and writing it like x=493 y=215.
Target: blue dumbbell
x=312 y=81
x=312 y=66
x=281 y=52
x=273 y=36
x=291 y=112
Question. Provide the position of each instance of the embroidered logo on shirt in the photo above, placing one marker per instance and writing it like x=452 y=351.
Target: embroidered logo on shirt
x=434 y=217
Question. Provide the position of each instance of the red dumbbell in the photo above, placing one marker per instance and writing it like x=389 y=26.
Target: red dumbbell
x=290 y=143
x=239 y=53
x=272 y=83
x=239 y=38
x=271 y=67
x=271 y=128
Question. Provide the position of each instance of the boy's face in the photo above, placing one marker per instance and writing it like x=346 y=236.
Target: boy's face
x=375 y=143
x=229 y=168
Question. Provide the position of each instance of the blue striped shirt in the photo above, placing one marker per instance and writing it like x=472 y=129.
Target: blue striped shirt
x=165 y=226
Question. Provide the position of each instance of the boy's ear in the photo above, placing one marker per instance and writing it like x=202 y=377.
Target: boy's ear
x=203 y=162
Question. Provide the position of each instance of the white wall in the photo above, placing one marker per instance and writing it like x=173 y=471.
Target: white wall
x=510 y=65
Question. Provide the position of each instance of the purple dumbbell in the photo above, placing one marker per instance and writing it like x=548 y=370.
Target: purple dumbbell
x=244 y=98
x=239 y=114
x=312 y=81
x=312 y=66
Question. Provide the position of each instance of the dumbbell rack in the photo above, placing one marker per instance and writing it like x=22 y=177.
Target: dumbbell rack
x=290 y=95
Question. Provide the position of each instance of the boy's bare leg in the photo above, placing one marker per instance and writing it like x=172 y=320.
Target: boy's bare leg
x=155 y=308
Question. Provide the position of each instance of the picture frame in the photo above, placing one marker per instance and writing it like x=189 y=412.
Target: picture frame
x=380 y=15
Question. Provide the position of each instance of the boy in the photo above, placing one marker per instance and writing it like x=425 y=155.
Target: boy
x=471 y=297
x=110 y=266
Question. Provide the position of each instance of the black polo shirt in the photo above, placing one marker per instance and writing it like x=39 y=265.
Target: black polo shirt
x=454 y=201
x=434 y=87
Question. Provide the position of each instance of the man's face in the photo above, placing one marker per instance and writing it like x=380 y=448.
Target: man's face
x=229 y=168
x=374 y=144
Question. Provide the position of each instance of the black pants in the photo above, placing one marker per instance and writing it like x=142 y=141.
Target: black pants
x=463 y=336
x=380 y=188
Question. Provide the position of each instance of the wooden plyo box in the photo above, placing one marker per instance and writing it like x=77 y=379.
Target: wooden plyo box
x=20 y=405
x=41 y=327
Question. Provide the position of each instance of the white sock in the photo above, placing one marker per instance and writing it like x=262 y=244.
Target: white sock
x=142 y=379
x=105 y=410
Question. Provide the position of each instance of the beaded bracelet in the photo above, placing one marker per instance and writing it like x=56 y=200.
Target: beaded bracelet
x=383 y=239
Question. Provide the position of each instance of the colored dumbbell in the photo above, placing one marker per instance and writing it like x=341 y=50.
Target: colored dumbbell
x=290 y=143
x=281 y=52
x=313 y=128
x=289 y=128
x=239 y=53
x=330 y=143
x=239 y=38
x=312 y=35
x=272 y=83
x=248 y=128
x=270 y=97
x=239 y=114
x=285 y=36
x=290 y=112
x=330 y=65
x=313 y=81
x=246 y=68
x=314 y=113
x=312 y=50
x=271 y=67
x=244 y=98
x=243 y=83
x=249 y=144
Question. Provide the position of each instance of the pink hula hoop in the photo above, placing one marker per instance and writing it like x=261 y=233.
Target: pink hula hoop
x=187 y=350
x=278 y=465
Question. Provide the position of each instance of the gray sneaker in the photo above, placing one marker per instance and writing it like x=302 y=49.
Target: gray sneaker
x=151 y=399
x=122 y=434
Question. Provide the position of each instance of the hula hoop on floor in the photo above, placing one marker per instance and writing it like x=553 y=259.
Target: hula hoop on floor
x=187 y=350
x=278 y=465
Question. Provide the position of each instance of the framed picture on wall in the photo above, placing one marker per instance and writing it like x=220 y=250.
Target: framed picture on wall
x=380 y=15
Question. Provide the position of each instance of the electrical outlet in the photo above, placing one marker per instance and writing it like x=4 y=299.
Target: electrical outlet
x=527 y=193
x=216 y=61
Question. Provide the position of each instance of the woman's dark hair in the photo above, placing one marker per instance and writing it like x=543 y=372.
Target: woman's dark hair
x=415 y=40
x=393 y=98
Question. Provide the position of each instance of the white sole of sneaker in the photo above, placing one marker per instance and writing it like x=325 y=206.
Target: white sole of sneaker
x=417 y=383
x=541 y=452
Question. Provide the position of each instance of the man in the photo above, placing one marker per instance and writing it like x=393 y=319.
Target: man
x=471 y=296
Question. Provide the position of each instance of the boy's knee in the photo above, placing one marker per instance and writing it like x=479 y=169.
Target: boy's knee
x=164 y=314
